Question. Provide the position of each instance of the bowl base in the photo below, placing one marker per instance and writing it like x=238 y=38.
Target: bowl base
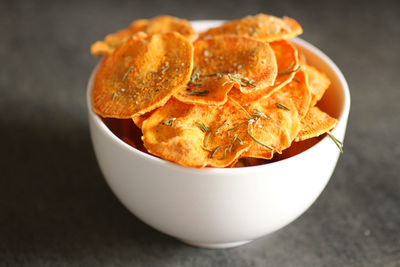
x=215 y=245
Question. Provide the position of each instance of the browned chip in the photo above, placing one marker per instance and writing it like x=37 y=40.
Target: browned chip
x=299 y=92
x=197 y=135
x=225 y=61
x=263 y=27
x=138 y=120
x=318 y=82
x=288 y=64
x=159 y=24
x=276 y=124
x=141 y=75
x=315 y=123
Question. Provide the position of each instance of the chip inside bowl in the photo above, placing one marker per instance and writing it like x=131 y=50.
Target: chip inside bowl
x=239 y=95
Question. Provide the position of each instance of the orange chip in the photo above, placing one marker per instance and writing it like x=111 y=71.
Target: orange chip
x=318 y=82
x=197 y=135
x=138 y=120
x=276 y=124
x=262 y=27
x=159 y=24
x=225 y=61
x=142 y=75
x=299 y=92
x=288 y=63
x=315 y=123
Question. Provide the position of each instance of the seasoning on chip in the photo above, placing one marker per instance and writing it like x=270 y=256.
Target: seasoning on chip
x=197 y=135
x=315 y=123
x=288 y=64
x=318 y=82
x=142 y=75
x=159 y=24
x=223 y=62
x=262 y=27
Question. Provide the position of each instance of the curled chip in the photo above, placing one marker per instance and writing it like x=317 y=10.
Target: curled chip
x=159 y=24
x=262 y=27
x=197 y=135
x=315 y=123
x=318 y=82
x=222 y=62
x=299 y=92
x=138 y=120
x=288 y=64
x=142 y=75
x=275 y=125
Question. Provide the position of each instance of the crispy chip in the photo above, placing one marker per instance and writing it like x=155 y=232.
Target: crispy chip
x=288 y=64
x=159 y=24
x=299 y=92
x=277 y=124
x=318 y=82
x=138 y=120
x=225 y=61
x=197 y=135
x=315 y=123
x=263 y=27
x=142 y=75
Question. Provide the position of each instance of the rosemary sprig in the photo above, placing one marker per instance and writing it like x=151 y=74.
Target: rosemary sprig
x=289 y=71
x=230 y=147
x=202 y=126
x=127 y=72
x=252 y=137
x=236 y=127
x=257 y=113
x=169 y=122
x=206 y=139
x=296 y=80
x=195 y=78
x=198 y=93
x=279 y=105
x=215 y=151
x=287 y=68
x=206 y=149
x=336 y=141
x=222 y=126
x=165 y=68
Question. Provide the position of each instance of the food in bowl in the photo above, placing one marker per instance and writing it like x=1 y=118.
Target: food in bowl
x=239 y=94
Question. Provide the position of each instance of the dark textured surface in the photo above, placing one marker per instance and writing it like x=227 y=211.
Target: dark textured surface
x=55 y=207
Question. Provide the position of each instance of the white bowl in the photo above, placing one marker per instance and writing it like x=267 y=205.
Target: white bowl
x=221 y=207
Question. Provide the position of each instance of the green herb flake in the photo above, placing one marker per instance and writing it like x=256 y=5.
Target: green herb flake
x=215 y=151
x=206 y=139
x=114 y=96
x=257 y=113
x=279 y=105
x=169 y=122
x=338 y=143
x=255 y=139
x=288 y=71
x=127 y=72
x=198 y=93
x=165 y=68
x=222 y=126
x=203 y=127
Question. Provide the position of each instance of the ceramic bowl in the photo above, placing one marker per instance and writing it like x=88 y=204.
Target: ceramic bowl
x=222 y=207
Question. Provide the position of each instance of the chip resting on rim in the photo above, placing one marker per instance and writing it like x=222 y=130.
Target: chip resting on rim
x=263 y=27
x=142 y=75
x=159 y=24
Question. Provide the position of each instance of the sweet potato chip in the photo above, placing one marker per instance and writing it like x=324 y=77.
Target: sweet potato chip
x=299 y=92
x=225 y=61
x=142 y=75
x=288 y=63
x=197 y=135
x=263 y=27
x=276 y=124
x=159 y=24
x=138 y=120
x=315 y=123
x=318 y=82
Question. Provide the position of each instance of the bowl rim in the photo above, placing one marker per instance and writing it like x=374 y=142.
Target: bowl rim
x=342 y=119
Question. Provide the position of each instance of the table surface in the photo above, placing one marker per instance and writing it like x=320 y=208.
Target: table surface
x=55 y=207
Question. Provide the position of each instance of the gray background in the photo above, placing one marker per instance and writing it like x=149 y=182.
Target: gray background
x=55 y=207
